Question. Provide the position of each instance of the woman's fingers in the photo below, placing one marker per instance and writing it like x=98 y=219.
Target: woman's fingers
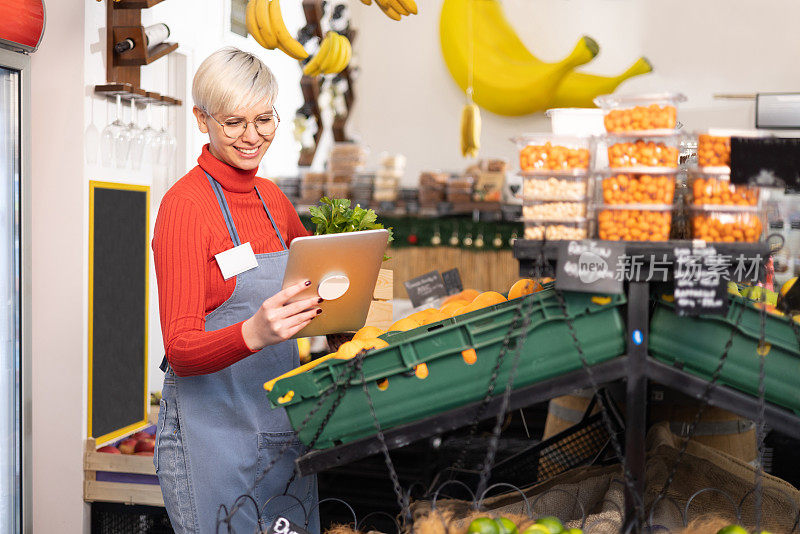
x=294 y=308
x=282 y=297
x=297 y=322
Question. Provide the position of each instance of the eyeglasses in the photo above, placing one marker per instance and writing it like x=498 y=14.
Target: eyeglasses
x=235 y=127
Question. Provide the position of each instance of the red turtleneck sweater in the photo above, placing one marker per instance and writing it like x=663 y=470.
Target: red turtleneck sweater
x=189 y=232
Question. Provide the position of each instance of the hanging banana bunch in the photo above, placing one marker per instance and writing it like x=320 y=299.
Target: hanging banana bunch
x=395 y=9
x=471 y=114
x=265 y=23
x=332 y=57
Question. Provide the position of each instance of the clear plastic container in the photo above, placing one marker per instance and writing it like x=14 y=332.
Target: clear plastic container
x=726 y=224
x=557 y=230
x=554 y=211
x=634 y=222
x=643 y=152
x=552 y=152
x=555 y=185
x=714 y=146
x=640 y=113
x=714 y=188
x=651 y=187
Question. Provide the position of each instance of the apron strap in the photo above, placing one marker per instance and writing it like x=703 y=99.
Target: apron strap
x=226 y=212
x=275 y=226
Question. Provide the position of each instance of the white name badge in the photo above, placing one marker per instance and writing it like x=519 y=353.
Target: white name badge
x=236 y=260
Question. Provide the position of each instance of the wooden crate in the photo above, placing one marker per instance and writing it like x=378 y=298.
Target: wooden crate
x=119 y=466
x=380 y=311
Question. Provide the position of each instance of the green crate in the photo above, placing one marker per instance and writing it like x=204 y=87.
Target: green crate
x=451 y=382
x=698 y=343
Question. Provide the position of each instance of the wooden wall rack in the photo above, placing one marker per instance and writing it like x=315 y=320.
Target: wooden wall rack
x=311 y=85
x=123 y=71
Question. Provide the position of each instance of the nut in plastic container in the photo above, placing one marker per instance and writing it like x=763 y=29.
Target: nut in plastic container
x=556 y=231
x=554 y=211
x=555 y=186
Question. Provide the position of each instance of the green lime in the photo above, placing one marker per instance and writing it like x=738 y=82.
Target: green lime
x=483 y=525
x=732 y=529
x=733 y=289
x=506 y=526
x=553 y=524
x=536 y=529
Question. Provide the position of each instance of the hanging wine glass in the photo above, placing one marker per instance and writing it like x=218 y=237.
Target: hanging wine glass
x=107 y=137
x=122 y=138
x=137 y=138
x=150 y=152
x=91 y=139
x=166 y=142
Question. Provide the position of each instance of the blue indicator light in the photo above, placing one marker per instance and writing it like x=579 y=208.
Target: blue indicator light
x=637 y=336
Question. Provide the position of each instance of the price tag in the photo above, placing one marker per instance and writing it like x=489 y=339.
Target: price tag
x=700 y=284
x=589 y=266
x=452 y=281
x=425 y=288
x=281 y=525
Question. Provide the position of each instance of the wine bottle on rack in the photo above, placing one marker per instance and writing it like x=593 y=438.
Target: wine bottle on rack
x=153 y=35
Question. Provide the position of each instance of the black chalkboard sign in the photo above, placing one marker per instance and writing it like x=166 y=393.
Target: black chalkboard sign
x=452 y=281
x=425 y=289
x=701 y=281
x=119 y=228
x=589 y=266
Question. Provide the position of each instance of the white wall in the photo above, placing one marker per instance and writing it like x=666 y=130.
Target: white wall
x=408 y=102
x=58 y=205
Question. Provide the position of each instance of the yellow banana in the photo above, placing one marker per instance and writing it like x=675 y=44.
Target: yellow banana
x=579 y=89
x=502 y=84
x=334 y=55
x=348 y=53
x=252 y=25
x=388 y=10
x=286 y=42
x=312 y=68
x=470 y=130
x=397 y=6
x=262 y=21
x=409 y=5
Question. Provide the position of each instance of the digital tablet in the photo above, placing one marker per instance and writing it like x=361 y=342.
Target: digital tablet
x=343 y=269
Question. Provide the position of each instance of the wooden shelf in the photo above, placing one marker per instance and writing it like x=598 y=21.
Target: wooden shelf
x=128 y=92
x=136 y=4
x=157 y=52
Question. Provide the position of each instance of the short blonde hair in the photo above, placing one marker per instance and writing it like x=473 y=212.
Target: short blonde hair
x=230 y=79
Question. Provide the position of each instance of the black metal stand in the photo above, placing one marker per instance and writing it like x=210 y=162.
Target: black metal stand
x=636 y=368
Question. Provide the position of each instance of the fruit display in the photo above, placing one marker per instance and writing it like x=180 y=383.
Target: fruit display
x=551 y=153
x=554 y=187
x=141 y=443
x=636 y=151
x=554 y=211
x=557 y=231
x=715 y=188
x=459 y=189
x=626 y=223
x=714 y=146
x=638 y=188
x=332 y=57
x=265 y=23
x=640 y=113
x=726 y=224
x=503 y=525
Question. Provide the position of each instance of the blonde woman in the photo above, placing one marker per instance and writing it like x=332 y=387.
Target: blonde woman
x=220 y=248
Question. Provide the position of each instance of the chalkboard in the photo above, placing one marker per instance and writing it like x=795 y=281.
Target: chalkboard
x=118 y=300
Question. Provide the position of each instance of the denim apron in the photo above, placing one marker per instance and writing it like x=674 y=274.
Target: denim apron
x=217 y=433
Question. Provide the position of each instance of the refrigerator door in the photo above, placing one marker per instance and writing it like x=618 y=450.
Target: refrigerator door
x=10 y=301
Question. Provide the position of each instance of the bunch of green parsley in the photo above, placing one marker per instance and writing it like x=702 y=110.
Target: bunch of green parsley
x=335 y=216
